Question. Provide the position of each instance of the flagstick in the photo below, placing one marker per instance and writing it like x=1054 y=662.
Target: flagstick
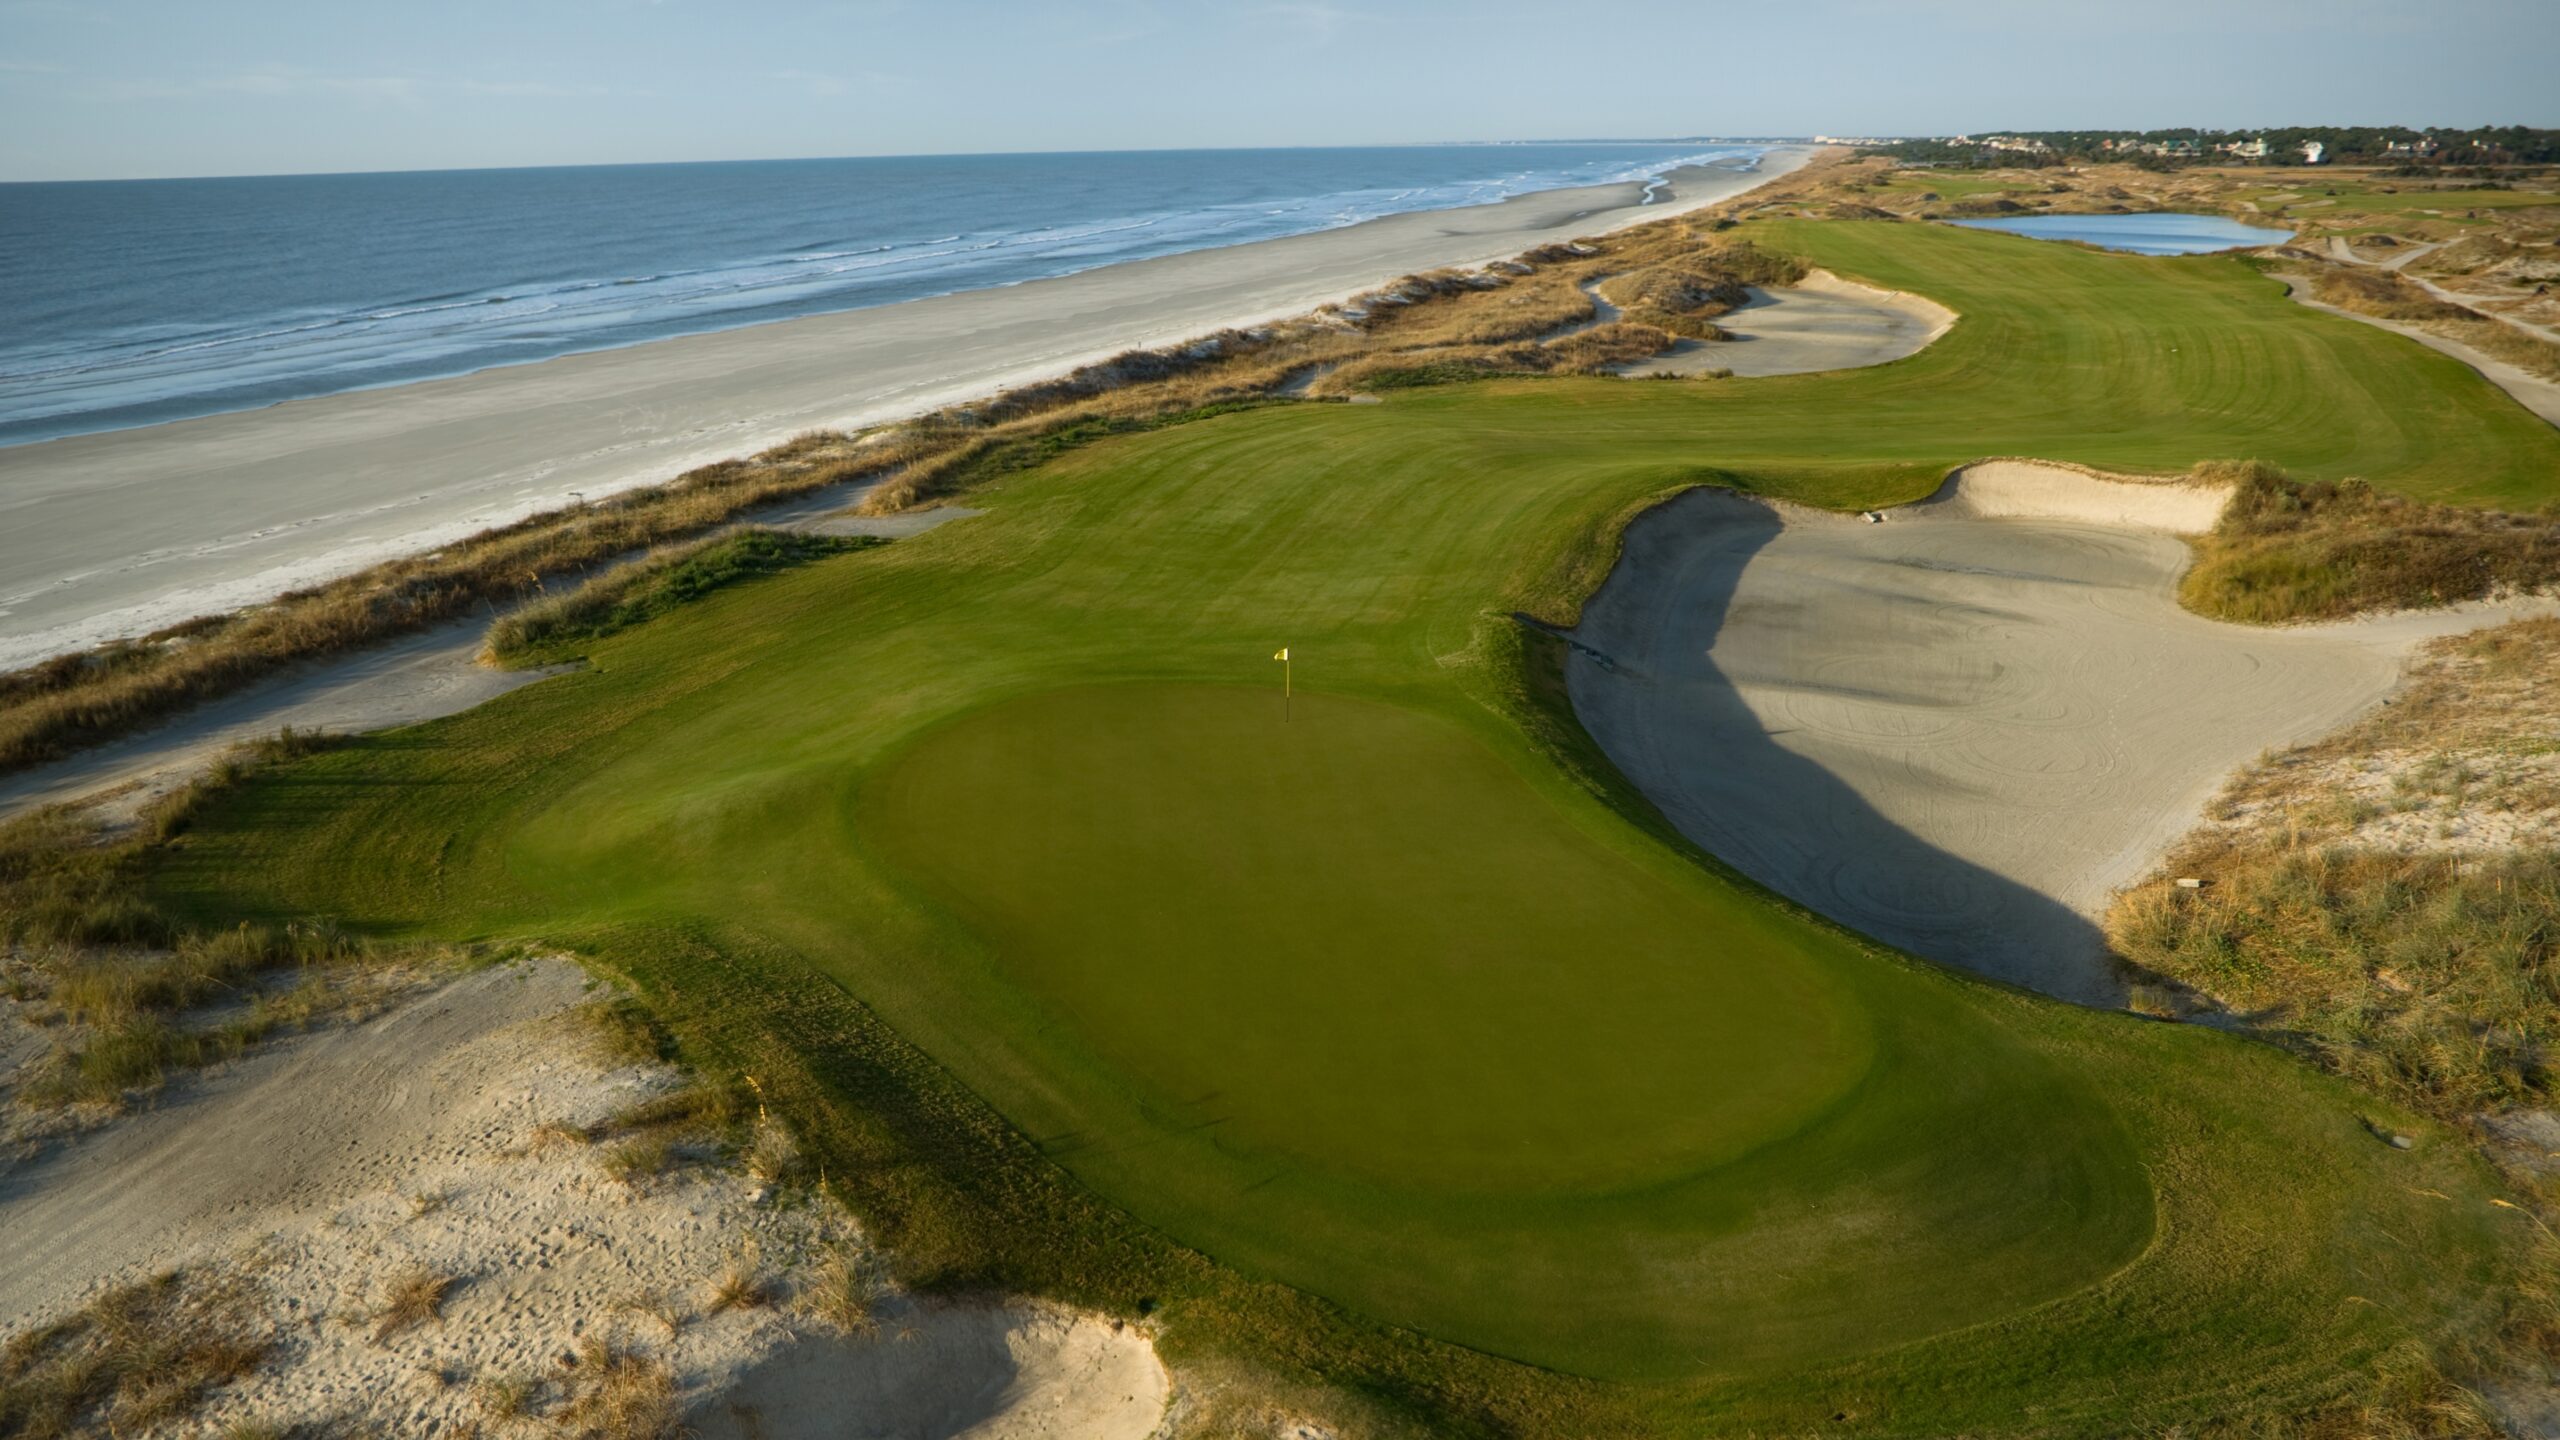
x=1285 y=689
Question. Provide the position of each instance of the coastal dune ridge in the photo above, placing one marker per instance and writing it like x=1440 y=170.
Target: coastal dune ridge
x=121 y=533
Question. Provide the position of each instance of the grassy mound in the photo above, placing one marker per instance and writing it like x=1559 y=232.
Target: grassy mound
x=2286 y=549
x=961 y=853
x=556 y=625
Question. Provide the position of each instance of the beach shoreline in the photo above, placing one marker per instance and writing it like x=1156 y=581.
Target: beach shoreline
x=120 y=533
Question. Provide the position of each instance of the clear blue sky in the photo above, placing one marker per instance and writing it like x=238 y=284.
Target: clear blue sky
x=94 y=88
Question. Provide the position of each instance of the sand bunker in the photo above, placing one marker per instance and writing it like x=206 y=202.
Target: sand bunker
x=1961 y=729
x=1821 y=323
x=326 y=1165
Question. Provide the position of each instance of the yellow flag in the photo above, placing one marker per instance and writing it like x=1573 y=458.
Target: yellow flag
x=1283 y=655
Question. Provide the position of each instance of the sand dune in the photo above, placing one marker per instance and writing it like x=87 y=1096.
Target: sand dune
x=327 y=1164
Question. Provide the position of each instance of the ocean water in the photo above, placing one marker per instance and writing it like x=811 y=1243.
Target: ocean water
x=2156 y=234
x=132 y=302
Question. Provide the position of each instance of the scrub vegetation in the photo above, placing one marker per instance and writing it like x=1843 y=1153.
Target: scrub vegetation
x=126 y=994
x=2288 y=550
x=992 y=857
x=2385 y=898
x=554 y=626
x=2389 y=296
x=139 y=1360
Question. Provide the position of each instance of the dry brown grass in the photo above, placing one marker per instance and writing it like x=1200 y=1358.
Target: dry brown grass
x=847 y=1290
x=412 y=1299
x=2315 y=550
x=740 y=1287
x=2378 y=293
x=139 y=1360
x=618 y=1394
x=2364 y=896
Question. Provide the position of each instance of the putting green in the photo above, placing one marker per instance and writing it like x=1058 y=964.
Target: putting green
x=1085 y=977
x=1227 y=904
x=1417 y=1011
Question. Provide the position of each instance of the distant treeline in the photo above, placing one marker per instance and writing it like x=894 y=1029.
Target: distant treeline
x=2340 y=144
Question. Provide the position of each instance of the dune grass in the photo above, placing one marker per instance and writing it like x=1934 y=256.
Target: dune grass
x=989 y=856
x=131 y=994
x=140 y=1359
x=556 y=625
x=2286 y=550
x=2383 y=898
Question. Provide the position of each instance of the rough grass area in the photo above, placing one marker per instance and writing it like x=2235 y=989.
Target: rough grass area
x=138 y=1361
x=2427 y=977
x=2290 y=549
x=129 y=994
x=2386 y=296
x=2388 y=898
x=556 y=625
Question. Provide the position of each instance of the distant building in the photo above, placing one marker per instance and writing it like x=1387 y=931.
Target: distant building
x=2418 y=149
x=2245 y=149
x=2313 y=152
x=2180 y=149
x=2015 y=142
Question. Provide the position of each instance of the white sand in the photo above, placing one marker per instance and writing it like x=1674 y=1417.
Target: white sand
x=1821 y=323
x=116 y=534
x=1960 y=730
x=305 y=1166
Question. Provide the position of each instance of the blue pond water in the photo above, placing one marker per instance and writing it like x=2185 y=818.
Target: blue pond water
x=2164 y=234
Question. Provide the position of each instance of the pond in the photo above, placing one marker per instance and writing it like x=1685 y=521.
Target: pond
x=2157 y=234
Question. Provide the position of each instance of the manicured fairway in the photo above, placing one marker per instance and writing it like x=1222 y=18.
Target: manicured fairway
x=1406 y=1004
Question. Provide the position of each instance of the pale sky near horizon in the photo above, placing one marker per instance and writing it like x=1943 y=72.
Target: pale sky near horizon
x=125 y=88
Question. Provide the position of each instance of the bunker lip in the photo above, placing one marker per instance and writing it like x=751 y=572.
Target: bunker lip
x=1961 y=726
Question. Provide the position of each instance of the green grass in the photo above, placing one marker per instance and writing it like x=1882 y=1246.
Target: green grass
x=1400 y=1024
x=557 y=627
x=2404 y=198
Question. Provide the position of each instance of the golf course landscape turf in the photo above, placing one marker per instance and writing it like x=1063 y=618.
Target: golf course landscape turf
x=991 y=855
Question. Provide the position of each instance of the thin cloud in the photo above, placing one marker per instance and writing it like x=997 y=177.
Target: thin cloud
x=1310 y=19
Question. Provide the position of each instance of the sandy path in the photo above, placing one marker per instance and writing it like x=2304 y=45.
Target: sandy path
x=1821 y=323
x=307 y=1158
x=422 y=677
x=2400 y=261
x=1962 y=729
x=117 y=534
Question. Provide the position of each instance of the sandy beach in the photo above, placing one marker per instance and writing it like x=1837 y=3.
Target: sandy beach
x=120 y=533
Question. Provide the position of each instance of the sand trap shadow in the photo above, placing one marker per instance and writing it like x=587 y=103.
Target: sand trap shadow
x=1680 y=726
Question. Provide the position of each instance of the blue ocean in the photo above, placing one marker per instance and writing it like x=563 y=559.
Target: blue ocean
x=132 y=302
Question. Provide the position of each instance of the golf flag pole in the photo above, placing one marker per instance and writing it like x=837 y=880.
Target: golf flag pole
x=1283 y=658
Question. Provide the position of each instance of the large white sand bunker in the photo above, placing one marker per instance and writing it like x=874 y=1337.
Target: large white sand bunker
x=1821 y=323
x=1961 y=729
